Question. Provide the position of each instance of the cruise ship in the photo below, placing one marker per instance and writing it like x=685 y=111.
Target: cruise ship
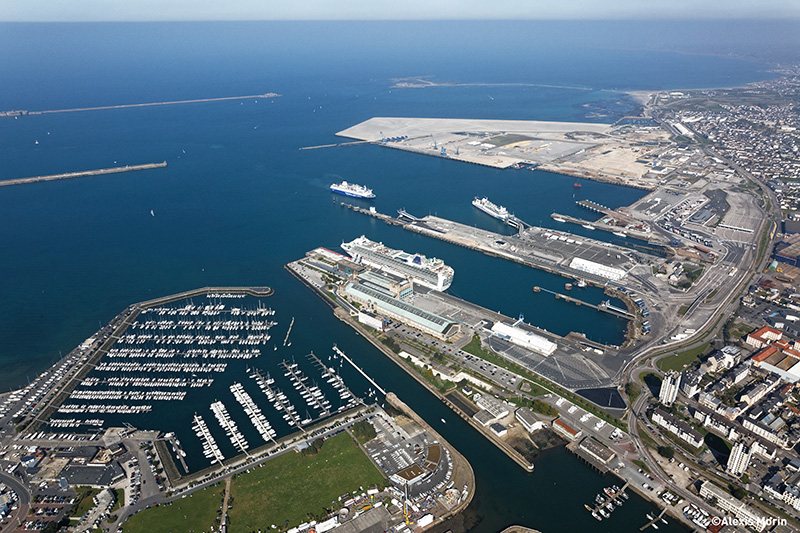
x=351 y=189
x=431 y=273
x=493 y=210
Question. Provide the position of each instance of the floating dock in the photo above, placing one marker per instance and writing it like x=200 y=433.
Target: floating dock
x=227 y=423
x=253 y=412
x=210 y=448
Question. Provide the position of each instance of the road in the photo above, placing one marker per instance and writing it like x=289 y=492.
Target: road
x=24 y=503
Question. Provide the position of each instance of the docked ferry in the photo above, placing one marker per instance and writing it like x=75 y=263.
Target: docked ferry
x=493 y=210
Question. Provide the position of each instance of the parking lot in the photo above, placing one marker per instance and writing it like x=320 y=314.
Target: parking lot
x=395 y=449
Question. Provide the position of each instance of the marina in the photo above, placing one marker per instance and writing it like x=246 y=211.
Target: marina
x=278 y=399
x=311 y=394
x=229 y=426
x=210 y=448
x=253 y=412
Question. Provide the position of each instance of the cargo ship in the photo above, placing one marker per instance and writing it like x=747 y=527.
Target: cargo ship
x=428 y=272
x=493 y=210
x=351 y=189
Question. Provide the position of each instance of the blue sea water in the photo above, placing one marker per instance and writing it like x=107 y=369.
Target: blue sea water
x=238 y=199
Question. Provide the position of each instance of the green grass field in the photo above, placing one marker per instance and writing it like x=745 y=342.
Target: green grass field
x=292 y=486
x=194 y=513
x=83 y=500
x=677 y=362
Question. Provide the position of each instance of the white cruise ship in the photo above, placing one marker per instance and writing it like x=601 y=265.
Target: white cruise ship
x=431 y=273
x=351 y=189
x=493 y=210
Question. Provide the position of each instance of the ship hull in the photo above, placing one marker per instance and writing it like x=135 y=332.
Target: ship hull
x=353 y=194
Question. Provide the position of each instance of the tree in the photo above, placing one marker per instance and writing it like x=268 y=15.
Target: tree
x=633 y=390
x=738 y=492
x=666 y=451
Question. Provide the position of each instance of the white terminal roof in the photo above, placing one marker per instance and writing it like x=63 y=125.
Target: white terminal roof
x=399 y=307
x=598 y=269
x=524 y=338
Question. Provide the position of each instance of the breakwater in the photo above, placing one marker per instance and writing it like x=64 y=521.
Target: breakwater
x=21 y=113
x=68 y=175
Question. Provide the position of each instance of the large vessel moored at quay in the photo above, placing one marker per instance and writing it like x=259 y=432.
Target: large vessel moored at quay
x=493 y=210
x=428 y=272
x=351 y=189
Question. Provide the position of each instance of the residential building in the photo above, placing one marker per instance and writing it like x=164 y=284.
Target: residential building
x=763 y=336
x=724 y=501
x=669 y=388
x=739 y=459
x=677 y=427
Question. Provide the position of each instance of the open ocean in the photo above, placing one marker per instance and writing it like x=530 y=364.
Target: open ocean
x=238 y=200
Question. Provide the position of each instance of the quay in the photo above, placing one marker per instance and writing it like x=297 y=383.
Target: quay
x=68 y=175
x=126 y=106
x=605 y=306
x=553 y=251
x=603 y=227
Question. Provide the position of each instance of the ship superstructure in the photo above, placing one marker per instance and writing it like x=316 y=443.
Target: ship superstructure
x=351 y=189
x=428 y=272
x=493 y=210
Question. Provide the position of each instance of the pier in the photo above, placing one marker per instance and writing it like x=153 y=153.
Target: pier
x=605 y=306
x=341 y=353
x=335 y=145
x=312 y=395
x=253 y=412
x=227 y=423
x=179 y=453
x=654 y=520
x=127 y=106
x=210 y=448
x=68 y=175
x=336 y=381
x=278 y=399
x=611 y=499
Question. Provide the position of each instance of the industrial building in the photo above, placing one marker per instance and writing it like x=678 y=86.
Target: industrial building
x=598 y=269
x=526 y=339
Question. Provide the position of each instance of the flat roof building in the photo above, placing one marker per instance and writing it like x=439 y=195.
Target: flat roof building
x=526 y=339
x=383 y=304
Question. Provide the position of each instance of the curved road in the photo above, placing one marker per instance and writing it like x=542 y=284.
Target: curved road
x=24 y=502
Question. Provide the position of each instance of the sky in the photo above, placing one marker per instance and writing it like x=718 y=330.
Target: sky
x=172 y=10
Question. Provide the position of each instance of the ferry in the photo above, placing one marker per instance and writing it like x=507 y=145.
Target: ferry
x=351 y=189
x=493 y=210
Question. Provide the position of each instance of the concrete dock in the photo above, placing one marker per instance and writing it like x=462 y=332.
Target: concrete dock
x=550 y=250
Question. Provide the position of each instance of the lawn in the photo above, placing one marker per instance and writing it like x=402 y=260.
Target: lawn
x=195 y=513
x=84 y=500
x=291 y=486
x=677 y=362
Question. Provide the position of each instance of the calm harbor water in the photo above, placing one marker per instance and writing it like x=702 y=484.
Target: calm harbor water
x=238 y=200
